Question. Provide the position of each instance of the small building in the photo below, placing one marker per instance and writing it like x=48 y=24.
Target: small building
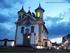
x=30 y=28
x=6 y=43
x=47 y=44
x=66 y=42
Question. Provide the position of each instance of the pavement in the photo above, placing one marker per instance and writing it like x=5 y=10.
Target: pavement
x=30 y=50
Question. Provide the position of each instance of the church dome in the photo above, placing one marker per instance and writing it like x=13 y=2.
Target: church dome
x=22 y=11
x=39 y=8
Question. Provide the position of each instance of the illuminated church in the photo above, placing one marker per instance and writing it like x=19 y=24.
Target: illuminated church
x=30 y=28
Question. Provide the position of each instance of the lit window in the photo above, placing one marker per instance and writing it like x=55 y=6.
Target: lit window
x=39 y=47
x=38 y=13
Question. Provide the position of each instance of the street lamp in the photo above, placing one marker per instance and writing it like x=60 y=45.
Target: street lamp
x=28 y=36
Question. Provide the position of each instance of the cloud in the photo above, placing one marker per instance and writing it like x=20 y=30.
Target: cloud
x=8 y=16
x=4 y=18
x=9 y=9
x=50 y=21
x=7 y=30
x=3 y=32
x=9 y=4
x=58 y=26
x=5 y=4
x=59 y=29
x=68 y=1
x=57 y=40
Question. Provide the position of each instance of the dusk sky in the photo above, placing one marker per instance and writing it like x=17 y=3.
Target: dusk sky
x=56 y=17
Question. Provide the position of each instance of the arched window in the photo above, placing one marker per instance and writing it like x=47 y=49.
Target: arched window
x=38 y=14
x=22 y=30
x=32 y=29
x=27 y=30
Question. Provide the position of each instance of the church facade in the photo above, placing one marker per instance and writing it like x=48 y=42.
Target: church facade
x=30 y=28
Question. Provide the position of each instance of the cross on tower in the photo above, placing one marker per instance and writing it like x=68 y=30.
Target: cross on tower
x=29 y=8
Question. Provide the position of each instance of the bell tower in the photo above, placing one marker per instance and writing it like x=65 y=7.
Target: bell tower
x=39 y=15
x=19 y=27
x=21 y=13
x=39 y=11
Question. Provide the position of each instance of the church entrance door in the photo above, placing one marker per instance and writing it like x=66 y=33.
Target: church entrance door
x=26 y=39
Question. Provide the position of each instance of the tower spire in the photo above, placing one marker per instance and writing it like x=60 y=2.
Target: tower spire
x=29 y=8
x=39 y=11
x=39 y=5
x=22 y=7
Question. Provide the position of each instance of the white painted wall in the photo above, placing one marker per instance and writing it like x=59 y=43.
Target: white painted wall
x=37 y=32
x=34 y=36
x=19 y=40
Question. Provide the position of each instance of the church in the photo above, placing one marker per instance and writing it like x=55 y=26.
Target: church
x=30 y=28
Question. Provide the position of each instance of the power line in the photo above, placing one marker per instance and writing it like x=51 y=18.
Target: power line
x=55 y=2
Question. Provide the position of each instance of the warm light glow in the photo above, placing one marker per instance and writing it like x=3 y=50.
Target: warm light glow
x=12 y=44
x=57 y=48
x=28 y=36
x=38 y=13
x=39 y=47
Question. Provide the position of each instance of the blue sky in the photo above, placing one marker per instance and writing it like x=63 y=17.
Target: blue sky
x=56 y=16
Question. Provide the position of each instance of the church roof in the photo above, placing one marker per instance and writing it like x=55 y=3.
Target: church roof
x=39 y=8
x=33 y=14
x=26 y=18
x=29 y=12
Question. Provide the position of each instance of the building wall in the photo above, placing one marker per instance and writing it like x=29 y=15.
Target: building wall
x=34 y=36
x=37 y=32
x=19 y=37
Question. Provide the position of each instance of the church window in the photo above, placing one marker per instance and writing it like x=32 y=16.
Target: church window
x=32 y=29
x=27 y=30
x=19 y=16
x=38 y=13
x=22 y=30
